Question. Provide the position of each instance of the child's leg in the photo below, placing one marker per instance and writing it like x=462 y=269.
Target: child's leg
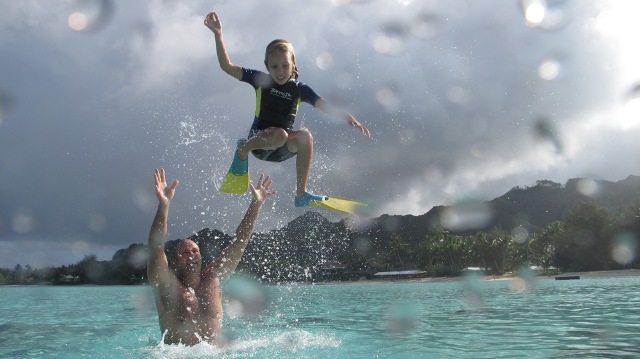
x=268 y=139
x=303 y=142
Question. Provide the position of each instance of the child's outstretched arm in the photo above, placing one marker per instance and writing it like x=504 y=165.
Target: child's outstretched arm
x=212 y=21
x=326 y=107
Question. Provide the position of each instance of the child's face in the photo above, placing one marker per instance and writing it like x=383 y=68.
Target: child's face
x=280 y=66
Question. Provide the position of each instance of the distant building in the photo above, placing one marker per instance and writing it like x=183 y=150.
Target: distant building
x=475 y=270
x=68 y=279
x=333 y=271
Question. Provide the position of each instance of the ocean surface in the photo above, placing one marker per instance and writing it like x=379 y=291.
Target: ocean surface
x=586 y=318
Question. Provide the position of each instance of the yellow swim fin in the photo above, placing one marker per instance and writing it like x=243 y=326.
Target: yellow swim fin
x=235 y=184
x=237 y=179
x=339 y=204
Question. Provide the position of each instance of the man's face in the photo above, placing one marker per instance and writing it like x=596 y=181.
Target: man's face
x=187 y=257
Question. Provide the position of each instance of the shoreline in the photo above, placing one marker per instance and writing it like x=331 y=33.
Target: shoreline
x=485 y=278
x=489 y=278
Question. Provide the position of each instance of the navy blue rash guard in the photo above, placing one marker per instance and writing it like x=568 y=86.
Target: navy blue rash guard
x=276 y=106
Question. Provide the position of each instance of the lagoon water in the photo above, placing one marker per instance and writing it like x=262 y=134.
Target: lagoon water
x=587 y=318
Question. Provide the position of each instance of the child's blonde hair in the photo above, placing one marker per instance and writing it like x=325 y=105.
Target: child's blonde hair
x=284 y=46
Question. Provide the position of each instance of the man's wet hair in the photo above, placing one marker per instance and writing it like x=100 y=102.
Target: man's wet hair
x=210 y=243
x=170 y=251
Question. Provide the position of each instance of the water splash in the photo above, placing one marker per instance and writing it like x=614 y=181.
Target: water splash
x=195 y=131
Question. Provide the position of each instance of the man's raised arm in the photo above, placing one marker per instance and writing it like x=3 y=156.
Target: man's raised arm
x=225 y=264
x=157 y=264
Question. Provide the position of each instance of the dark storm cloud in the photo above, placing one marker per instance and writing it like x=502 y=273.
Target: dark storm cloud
x=461 y=97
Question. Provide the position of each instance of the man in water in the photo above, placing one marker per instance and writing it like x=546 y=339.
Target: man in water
x=189 y=297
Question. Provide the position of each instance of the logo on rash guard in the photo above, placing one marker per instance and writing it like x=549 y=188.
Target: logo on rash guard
x=284 y=95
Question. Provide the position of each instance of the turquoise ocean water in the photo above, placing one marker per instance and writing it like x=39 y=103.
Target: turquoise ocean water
x=587 y=318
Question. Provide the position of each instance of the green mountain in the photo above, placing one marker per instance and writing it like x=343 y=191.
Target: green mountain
x=531 y=208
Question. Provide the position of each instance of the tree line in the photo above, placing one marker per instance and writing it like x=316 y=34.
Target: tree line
x=588 y=238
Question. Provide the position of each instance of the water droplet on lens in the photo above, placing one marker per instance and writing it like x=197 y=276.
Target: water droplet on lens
x=90 y=15
x=247 y=296
x=362 y=245
x=391 y=40
x=545 y=14
x=549 y=69
x=23 y=222
x=386 y=96
x=5 y=106
x=77 y=21
x=587 y=187
x=402 y=318
x=324 y=61
x=425 y=26
x=458 y=95
x=630 y=112
x=520 y=235
x=467 y=215
x=545 y=130
x=625 y=248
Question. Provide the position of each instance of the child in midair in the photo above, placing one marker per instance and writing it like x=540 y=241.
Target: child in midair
x=278 y=96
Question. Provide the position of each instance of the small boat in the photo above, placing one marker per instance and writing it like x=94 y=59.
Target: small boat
x=567 y=277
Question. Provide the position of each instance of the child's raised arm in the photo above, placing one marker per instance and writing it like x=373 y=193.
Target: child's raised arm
x=212 y=21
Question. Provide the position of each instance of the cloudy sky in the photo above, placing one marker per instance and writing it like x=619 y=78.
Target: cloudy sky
x=464 y=99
